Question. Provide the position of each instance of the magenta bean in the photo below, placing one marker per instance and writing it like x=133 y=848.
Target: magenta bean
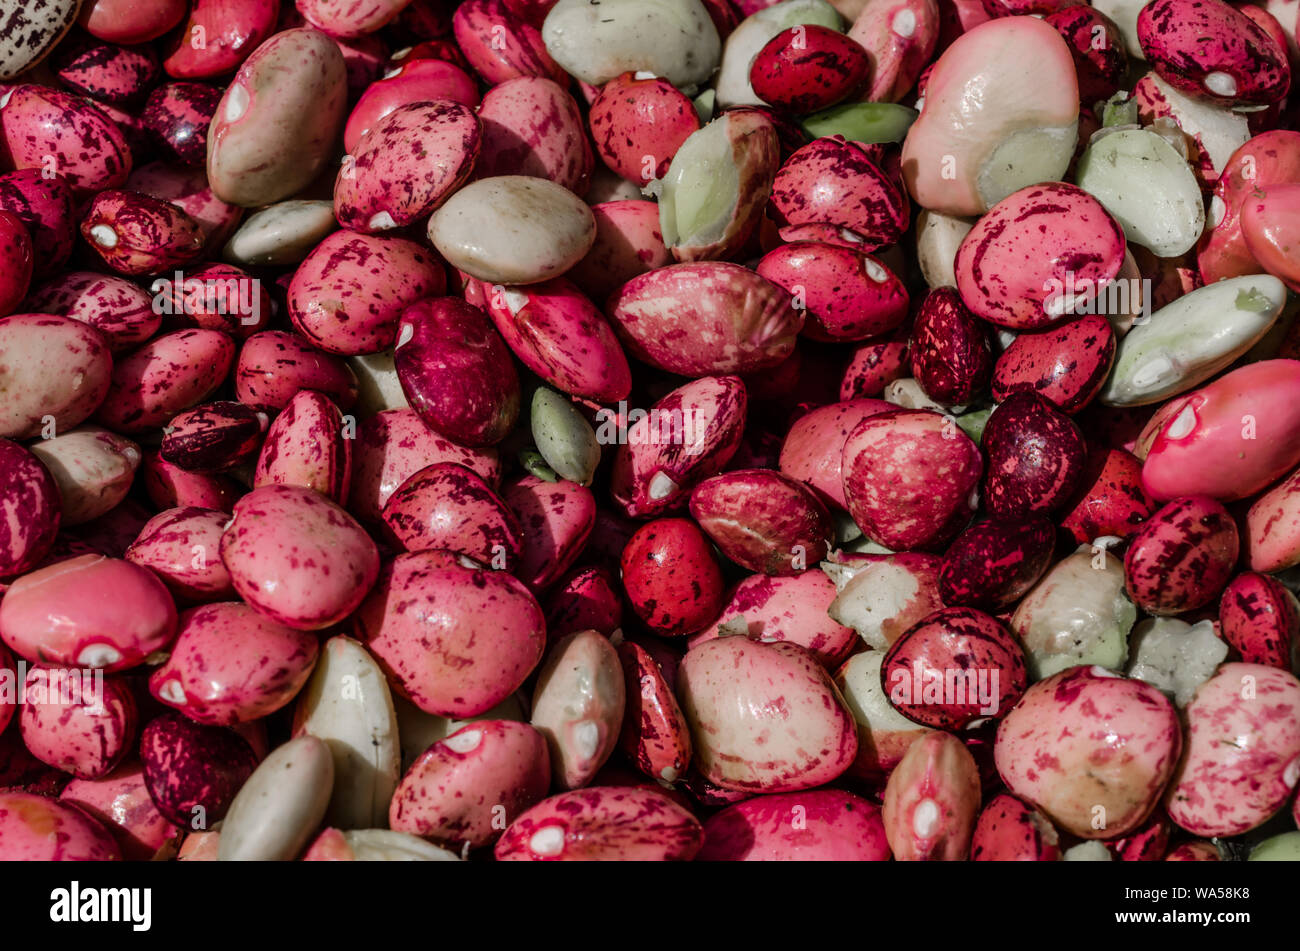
x=705 y=318
x=1228 y=439
x=813 y=451
x=448 y=506
x=876 y=364
x=30 y=505
x=182 y=546
x=308 y=445
x=347 y=297
x=560 y=335
x=1226 y=788
x=346 y=18
x=1091 y=749
x=950 y=353
x=763 y=521
x=1036 y=457
x=808 y=68
x=638 y=123
x=213 y=436
x=88 y=611
x=602 y=823
x=167 y=375
x=1260 y=619
x=44 y=206
x=628 y=243
x=121 y=21
x=420 y=81
x=136 y=234
x=953 y=667
x=556 y=519
x=671 y=577
x=532 y=126
x=188 y=190
x=38 y=121
x=1011 y=830
x=1077 y=247
x=219 y=297
x=456 y=641
x=789 y=608
x=56 y=372
x=655 y=734
x=1147 y=843
x=834 y=183
x=689 y=435
x=456 y=371
x=586 y=598
x=1240 y=66
x=992 y=564
x=392 y=446
x=931 y=800
x=273 y=366
x=1097 y=47
x=297 y=557
x=38 y=829
x=504 y=763
x=764 y=717
x=1182 y=556
x=122 y=311
x=232 y=30
x=910 y=478
x=1111 y=499
x=232 y=665
x=170 y=486
x=120 y=802
x=847 y=294
x=76 y=724
x=501 y=46
x=1033 y=363
x=387 y=186
x=193 y=770
x=106 y=72
x=16 y=250
x=899 y=36
x=824 y=825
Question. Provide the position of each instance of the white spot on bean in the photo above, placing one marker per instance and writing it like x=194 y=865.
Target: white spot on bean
x=586 y=736
x=1221 y=84
x=875 y=271
x=98 y=655
x=382 y=222
x=904 y=23
x=669 y=774
x=1291 y=775
x=661 y=486
x=1098 y=671
x=643 y=74
x=404 y=335
x=1183 y=424
x=172 y=692
x=515 y=300
x=1217 y=210
x=237 y=101
x=925 y=819
x=465 y=742
x=104 y=236
x=548 y=840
